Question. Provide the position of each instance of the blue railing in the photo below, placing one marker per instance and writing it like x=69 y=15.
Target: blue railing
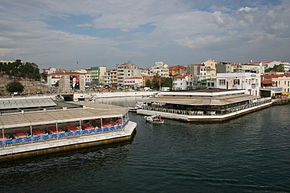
x=62 y=135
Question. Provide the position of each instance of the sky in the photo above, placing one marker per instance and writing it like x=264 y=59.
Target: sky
x=74 y=34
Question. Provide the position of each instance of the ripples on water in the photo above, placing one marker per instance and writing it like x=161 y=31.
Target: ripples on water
x=247 y=154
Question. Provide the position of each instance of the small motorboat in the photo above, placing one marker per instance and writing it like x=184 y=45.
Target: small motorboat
x=154 y=119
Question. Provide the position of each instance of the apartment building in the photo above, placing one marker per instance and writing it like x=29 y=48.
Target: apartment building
x=247 y=81
x=125 y=71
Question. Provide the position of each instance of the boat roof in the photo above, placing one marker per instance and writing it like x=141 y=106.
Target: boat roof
x=201 y=101
x=88 y=111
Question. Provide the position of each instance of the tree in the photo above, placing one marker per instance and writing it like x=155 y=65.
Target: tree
x=166 y=82
x=148 y=83
x=14 y=87
x=277 y=68
x=156 y=82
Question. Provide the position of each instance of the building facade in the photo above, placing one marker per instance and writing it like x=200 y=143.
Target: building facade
x=183 y=82
x=98 y=75
x=177 y=70
x=125 y=71
x=247 y=81
x=110 y=77
x=133 y=82
x=67 y=81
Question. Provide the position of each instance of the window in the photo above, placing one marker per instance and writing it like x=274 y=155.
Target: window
x=236 y=81
x=222 y=82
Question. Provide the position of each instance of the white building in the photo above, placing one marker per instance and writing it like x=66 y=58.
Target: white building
x=133 y=82
x=183 y=82
x=159 y=68
x=247 y=81
x=125 y=71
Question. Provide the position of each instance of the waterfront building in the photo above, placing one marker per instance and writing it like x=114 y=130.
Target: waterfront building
x=280 y=81
x=250 y=82
x=125 y=71
x=58 y=127
x=203 y=105
x=182 y=82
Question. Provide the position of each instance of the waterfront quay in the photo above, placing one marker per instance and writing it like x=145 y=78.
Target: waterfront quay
x=215 y=105
x=59 y=127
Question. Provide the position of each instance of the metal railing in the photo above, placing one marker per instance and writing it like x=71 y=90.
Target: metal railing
x=207 y=112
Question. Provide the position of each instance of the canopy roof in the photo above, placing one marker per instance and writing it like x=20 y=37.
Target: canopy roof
x=200 y=101
x=18 y=103
x=90 y=111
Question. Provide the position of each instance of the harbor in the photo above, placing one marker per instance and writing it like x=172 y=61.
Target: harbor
x=247 y=154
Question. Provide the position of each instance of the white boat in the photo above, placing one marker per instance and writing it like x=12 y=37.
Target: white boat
x=154 y=119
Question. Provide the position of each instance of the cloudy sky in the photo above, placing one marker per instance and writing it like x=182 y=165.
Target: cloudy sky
x=106 y=32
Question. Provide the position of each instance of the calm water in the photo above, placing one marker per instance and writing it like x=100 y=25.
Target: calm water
x=247 y=154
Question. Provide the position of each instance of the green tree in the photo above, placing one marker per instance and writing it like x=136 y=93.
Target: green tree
x=277 y=68
x=148 y=83
x=14 y=87
x=166 y=82
x=156 y=82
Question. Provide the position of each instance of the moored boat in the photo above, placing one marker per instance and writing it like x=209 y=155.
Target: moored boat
x=154 y=119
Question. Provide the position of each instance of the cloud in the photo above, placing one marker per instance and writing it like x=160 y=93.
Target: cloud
x=207 y=28
x=247 y=9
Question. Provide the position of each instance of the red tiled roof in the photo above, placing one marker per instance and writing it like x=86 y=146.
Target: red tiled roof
x=267 y=82
x=269 y=76
x=181 y=76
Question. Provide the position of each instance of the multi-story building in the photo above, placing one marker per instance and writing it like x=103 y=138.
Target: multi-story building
x=210 y=66
x=159 y=68
x=125 y=71
x=183 y=82
x=133 y=82
x=250 y=82
x=97 y=74
x=226 y=67
x=198 y=72
x=177 y=70
x=110 y=77
x=276 y=81
x=283 y=82
x=251 y=67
